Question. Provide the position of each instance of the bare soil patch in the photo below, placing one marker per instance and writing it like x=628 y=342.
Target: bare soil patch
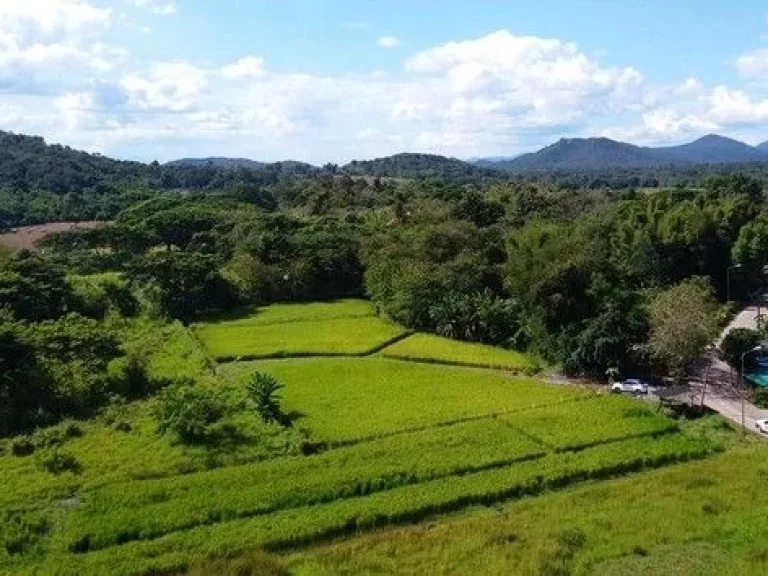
x=25 y=237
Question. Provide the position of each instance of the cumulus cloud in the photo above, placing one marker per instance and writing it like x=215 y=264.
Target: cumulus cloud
x=497 y=94
x=753 y=64
x=169 y=86
x=388 y=41
x=247 y=67
x=157 y=7
x=38 y=37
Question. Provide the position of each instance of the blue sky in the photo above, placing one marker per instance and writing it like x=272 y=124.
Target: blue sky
x=332 y=80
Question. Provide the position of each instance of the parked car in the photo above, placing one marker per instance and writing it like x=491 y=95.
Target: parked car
x=762 y=426
x=630 y=386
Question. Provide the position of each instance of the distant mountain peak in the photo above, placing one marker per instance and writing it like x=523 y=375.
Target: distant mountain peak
x=599 y=153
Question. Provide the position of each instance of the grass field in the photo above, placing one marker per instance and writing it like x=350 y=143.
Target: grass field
x=295 y=312
x=411 y=464
x=430 y=348
x=346 y=399
x=346 y=327
x=700 y=518
x=603 y=419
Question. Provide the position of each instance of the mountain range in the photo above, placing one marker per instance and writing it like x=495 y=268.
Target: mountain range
x=604 y=153
x=567 y=154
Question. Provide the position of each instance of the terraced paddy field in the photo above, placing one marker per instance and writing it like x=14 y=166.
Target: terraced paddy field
x=438 y=350
x=347 y=327
x=391 y=465
x=340 y=400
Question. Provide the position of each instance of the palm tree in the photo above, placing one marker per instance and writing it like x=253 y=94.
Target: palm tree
x=264 y=392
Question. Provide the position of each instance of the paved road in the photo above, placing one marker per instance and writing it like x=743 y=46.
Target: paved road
x=724 y=390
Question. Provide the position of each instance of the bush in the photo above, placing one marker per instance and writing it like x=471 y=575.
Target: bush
x=56 y=435
x=58 y=461
x=115 y=414
x=22 y=446
x=761 y=398
x=129 y=376
x=264 y=392
x=21 y=530
x=188 y=410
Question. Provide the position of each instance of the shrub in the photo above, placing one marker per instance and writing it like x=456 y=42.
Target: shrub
x=58 y=461
x=22 y=446
x=129 y=376
x=56 y=435
x=115 y=414
x=264 y=392
x=21 y=530
x=761 y=398
x=188 y=410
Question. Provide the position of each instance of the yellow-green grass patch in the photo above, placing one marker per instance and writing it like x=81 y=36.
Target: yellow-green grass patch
x=346 y=399
x=430 y=348
x=150 y=509
x=331 y=337
x=409 y=503
x=294 y=312
x=698 y=518
x=603 y=419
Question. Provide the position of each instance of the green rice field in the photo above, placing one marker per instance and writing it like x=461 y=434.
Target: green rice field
x=347 y=327
x=430 y=348
x=346 y=399
x=424 y=452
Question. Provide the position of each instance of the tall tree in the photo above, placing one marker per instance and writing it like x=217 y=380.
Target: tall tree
x=683 y=321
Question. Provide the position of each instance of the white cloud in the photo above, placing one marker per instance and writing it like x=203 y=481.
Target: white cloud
x=388 y=41
x=170 y=86
x=498 y=94
x=29 y=21
x=38 y=35
x=157 y=7
x=247 y=67
x=753 y=64
x=730 y=106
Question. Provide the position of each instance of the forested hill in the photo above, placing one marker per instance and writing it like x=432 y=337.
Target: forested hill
x=28 y=163
x=415 y=166
x=42 y=182
x=583 y=153
x=763 y=146
x=603 y=153
x=216 y=162
x=711 y=149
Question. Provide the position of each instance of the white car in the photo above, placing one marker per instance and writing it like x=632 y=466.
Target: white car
x=762 y=426
x=631 y=386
